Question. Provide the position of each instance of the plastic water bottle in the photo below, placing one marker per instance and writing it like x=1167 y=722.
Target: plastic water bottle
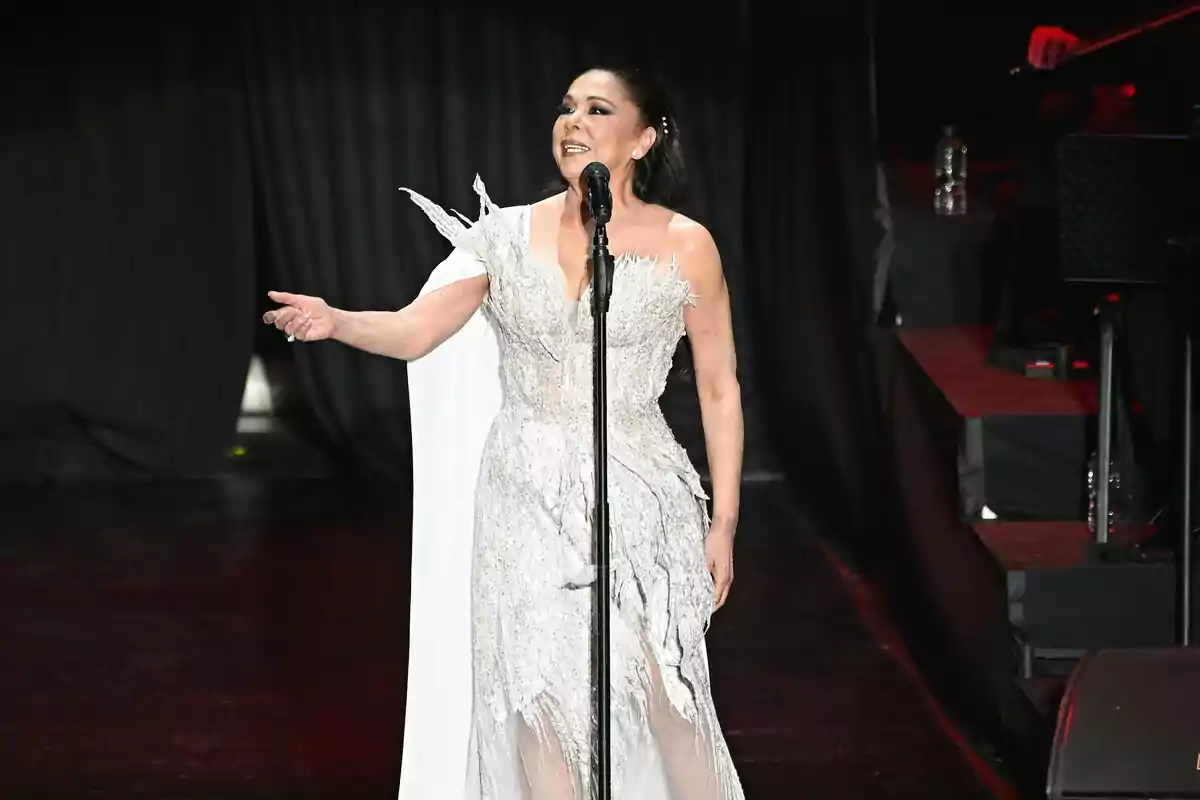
x=950 y=174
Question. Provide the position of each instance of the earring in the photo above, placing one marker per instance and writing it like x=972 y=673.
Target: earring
x=636 y=155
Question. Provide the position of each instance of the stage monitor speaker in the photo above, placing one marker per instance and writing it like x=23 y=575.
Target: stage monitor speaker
x=1121 y=198
x=1129 y=727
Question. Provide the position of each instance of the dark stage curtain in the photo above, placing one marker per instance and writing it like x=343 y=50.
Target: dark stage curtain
x=811 y=236
x=124 y=205
x=350 y=100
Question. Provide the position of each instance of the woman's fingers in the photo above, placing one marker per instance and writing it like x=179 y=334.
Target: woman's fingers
x=284 y=298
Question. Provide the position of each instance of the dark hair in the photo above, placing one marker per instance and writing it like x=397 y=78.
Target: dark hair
x=659 y=176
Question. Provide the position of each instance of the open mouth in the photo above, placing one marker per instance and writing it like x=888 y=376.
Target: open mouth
x=574 y=148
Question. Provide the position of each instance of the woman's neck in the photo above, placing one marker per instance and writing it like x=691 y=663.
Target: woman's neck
x=575 y=209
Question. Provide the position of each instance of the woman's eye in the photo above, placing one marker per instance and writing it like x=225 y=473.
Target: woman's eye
x=565 y=109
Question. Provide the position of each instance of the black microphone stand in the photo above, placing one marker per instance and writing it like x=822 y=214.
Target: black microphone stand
x=602 y=269
x=1187 y=255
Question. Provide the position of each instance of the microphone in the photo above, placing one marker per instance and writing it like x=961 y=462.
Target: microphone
x=599 y=197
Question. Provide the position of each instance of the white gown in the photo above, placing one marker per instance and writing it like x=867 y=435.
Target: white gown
x=499 y=701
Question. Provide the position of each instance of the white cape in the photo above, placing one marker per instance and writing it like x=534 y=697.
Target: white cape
x=454 y=393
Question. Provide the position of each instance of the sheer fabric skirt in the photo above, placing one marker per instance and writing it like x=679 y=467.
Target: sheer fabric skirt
x=531 y=637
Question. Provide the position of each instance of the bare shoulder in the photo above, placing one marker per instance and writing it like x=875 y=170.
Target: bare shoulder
x=548 y=207
x=554 y=201
x=694 y=248
x=688 y=235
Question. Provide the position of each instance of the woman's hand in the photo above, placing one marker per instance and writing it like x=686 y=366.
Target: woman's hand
x=308 y=319
x=719 y=550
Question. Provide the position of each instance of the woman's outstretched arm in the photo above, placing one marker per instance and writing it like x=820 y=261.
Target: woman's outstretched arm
x=412 y=332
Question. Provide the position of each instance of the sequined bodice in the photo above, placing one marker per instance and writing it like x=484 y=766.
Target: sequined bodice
x=547 y=339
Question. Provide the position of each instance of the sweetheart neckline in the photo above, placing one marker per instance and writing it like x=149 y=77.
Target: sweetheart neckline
x=627 y=257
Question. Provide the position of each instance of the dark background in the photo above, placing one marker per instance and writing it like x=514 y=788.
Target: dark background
x=161 y=168
x=164 y=165
x=942 y=62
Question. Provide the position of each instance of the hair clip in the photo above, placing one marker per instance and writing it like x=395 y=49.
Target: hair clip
x=666 y=129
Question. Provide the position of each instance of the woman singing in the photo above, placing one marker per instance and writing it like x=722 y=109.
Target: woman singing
x=499 y=346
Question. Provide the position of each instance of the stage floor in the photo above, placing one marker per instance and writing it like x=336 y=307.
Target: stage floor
x=246 y=639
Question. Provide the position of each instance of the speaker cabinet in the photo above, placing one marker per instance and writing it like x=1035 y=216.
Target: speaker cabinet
x=1129 y=727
